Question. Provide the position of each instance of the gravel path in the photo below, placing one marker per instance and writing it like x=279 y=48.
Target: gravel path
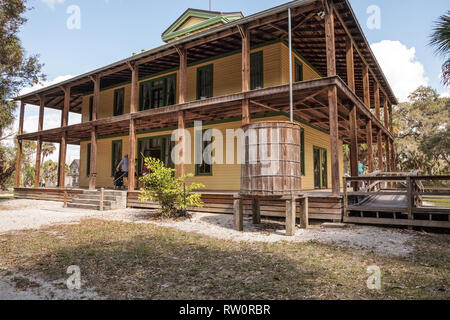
x=18 y=215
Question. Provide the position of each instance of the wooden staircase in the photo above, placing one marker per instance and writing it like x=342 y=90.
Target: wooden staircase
x=91 y=200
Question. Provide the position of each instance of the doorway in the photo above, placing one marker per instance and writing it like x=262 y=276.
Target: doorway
x=320 y=168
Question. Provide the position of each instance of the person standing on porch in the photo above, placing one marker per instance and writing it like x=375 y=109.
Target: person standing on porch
x=124 y=164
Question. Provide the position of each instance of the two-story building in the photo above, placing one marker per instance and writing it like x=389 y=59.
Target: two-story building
x=306 y=61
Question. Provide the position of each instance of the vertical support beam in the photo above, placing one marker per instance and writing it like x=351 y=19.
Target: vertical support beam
x=332 y=99
x=256 y=211
x=93 y=164
x=369 y=135
x=96 y=105
x=63 y=143
x=19 y=146
x=238 y=210
x=182 y=143
x=366 y=86
x=380 y=150
x=304 y=210
x=376 y=99
x=291 y=215
x=37 y=174
x=388 y=154
x=386 y=113
x=291 y=67
x=132 y=133
x=353 y=112
x=132 y=157
x=245 y=34
x=182 y=91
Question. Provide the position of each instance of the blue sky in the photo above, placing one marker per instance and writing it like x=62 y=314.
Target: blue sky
x=113 y=29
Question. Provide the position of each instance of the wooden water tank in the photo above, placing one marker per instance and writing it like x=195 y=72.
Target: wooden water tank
x=272 y=159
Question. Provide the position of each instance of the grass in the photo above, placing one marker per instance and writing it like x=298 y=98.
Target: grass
x=132 y=261
x=440 y=202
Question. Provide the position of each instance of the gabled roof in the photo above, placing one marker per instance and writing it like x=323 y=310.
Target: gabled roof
x=195 y=20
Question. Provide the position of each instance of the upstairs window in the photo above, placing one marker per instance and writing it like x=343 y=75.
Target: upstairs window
x=256 y=71
x=91 y=107
x=119 y=101
x=205 y=82
x=157 y=93
x=298 y=71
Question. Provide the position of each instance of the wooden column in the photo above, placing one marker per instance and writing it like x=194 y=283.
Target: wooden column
x=245 y=34
x=238 y=214
x=134 y=102
x=37 y=174
x=332 y=101
x=182 y=142
x=182 y=85
x=291 y=216
x=388 y=154
x=304 y=219
x=366 y=86
x=63 y=143
x=353 y=121
x=369 y=135
x=380 y=149
x=96 y=100
x=93 y=164
x=19 y=146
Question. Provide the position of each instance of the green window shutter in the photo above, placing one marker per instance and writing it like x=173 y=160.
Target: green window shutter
x=88 y=160
x=298 y=71
x=205 y=82
x=256 y=71
x=302 y=151
x=91 y=107
x=119 y=96
x=116 y=155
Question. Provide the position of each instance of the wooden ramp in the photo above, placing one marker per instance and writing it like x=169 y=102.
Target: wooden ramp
x=397 y=200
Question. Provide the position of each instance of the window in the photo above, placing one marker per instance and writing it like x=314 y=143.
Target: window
x=91 y=107
x=205 y=82
x=88 y=160
x=157 y=93
x=116 y=156
x=302 y=150
x=205 y=168
x=155 y=147
x=119 y=96
x=298 y=71
x=256 y=71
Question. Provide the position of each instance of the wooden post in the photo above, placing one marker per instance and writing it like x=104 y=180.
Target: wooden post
x=19 y=146
x=366 y=86
x=353 y=112
x=132 y=132
x=182 y=143
x=37 y=174
x=304 y=210
x=102 y=198
x=182 y=91
x=388 y=154
x=63 y=143
x=256 y=211
x=93 y=164
x=291 y=215
x=393 y=164
x=380 y=149
x=332 y=100
x=238 y=210
x=369 y=135
x=65 y=199
x=132 y=156
x=345 y=198
x=410 y=198
x=96 y=104
x=245 y=35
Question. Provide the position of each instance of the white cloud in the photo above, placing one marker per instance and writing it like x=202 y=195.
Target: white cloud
x=403 y=71
x=43 y=84
x=51 y=3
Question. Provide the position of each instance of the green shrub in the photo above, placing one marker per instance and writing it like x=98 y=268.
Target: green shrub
x=171 y=193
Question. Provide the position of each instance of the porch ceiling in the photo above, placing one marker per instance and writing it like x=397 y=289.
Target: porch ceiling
x=310 y=101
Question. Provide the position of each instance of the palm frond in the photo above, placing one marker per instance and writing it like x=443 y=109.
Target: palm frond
x=440 y=38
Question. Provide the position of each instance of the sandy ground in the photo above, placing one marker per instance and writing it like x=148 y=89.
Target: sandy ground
x=18 y=215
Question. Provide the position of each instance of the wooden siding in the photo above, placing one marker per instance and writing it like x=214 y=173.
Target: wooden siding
x=47 y=194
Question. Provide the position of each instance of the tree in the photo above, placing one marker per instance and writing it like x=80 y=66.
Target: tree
x=440 y=39
x=16 y=69
x=47 y=150
x=422 y=134
x=7 y=167
x=50 y=173
x=171 y=193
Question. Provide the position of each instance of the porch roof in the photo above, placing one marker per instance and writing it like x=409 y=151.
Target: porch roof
x=269 y=25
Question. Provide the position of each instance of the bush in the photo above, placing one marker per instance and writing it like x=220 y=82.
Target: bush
x=172 y=194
